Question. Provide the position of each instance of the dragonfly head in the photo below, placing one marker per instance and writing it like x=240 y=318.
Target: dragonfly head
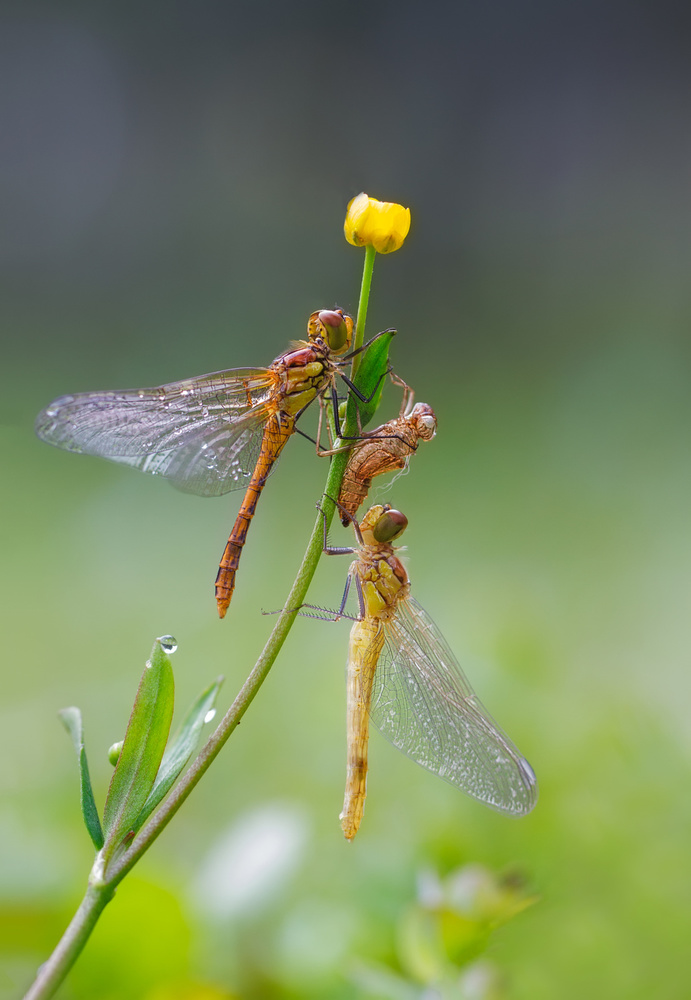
x=382 y=525
x=424 y=418
x=334 y=327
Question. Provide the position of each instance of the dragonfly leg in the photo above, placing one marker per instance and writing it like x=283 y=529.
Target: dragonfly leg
x=346 y=591
x=331 y=550
x=368 y=343
x=310 y=439
x=346 y=517
x=360 y=395
x=327 y=615
x=408 y=395
x=319 y=426
x=363 y=399
x=334 y=616
x=325 y=452
x=360 y=597
x=336 y=416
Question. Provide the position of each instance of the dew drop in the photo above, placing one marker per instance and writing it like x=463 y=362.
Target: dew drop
x=168 y=643
x=211 y=714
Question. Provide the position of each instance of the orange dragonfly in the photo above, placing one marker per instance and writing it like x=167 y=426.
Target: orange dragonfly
x=210 y=434
x=403 y=675
x=387 y=448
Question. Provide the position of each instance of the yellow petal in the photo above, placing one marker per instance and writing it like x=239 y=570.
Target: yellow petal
x=381 y=224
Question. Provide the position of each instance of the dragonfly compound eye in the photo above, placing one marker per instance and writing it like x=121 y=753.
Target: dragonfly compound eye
x=337 y=329
x=390 y=525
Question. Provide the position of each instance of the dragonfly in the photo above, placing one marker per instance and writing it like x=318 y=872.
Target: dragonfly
x=403 y=675
x=385 y=449
x=209 y=435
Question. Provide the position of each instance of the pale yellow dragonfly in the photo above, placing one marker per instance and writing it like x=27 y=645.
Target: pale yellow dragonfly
x=402 y=674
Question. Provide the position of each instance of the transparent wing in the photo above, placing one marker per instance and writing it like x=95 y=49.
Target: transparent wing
x=423 y=703
x=203 y=434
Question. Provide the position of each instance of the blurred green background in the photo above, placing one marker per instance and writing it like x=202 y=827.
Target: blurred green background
x=174 y=179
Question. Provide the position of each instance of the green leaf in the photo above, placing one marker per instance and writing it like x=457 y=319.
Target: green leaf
x=71 y=719
x=142 y=749
x=179 y=750
x=370 y=378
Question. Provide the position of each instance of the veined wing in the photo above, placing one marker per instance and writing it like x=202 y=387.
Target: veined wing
x=423 y=703
x=203 y=434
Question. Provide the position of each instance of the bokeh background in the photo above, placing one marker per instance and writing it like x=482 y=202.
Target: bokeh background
x=174 y=178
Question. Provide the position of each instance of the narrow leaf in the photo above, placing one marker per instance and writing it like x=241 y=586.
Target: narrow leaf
x=179 y=750
x=142 y=749
x=371 y=376
x=71 y=719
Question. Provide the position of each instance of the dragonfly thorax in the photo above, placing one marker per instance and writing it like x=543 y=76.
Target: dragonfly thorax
x=383 y=580
x=303 y=373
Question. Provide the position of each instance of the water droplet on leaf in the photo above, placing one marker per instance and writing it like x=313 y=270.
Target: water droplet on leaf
x=168 y=643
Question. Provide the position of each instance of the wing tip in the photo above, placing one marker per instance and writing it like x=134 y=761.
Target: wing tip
x=46 y=423
x=525 y=803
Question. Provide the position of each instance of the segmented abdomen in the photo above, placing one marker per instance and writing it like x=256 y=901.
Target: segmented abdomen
x=276 y=433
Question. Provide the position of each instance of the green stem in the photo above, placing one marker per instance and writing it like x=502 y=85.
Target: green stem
x=358 y=339
x=99 y=893
x=52 y=972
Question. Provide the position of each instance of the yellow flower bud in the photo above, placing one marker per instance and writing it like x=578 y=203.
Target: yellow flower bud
x=381 y=224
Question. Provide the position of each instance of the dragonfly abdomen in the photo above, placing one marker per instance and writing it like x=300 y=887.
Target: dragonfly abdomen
x=276 y=433
x=353 y=492
x=372 y=458
x=366 y=642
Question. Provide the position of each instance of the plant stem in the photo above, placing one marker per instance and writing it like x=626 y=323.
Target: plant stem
x=358 y=340
x=52 y=972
